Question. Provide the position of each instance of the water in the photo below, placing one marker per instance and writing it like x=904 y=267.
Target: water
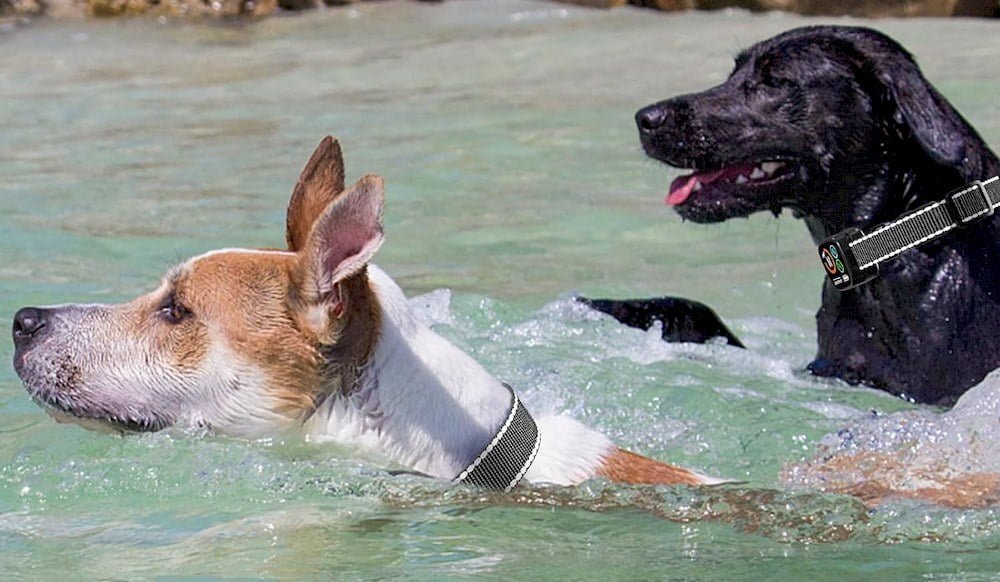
x=514 y=178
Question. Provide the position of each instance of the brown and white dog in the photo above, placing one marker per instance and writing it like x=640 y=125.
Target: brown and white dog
x=250 y=343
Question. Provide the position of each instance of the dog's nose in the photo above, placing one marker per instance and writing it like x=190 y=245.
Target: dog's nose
x=650 y=118
x=28 y=322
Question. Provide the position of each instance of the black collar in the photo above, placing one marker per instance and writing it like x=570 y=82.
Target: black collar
x=506 y=459
x=852 y=257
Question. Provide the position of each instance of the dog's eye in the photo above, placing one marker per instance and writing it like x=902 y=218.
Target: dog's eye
x=766 y=69
x=771 y=80
x=766 y=80
x=173 y=311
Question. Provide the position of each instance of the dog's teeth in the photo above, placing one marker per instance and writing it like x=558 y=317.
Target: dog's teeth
x=757 y=174
x=697 y=186
x=771 y=167
x=741 y=179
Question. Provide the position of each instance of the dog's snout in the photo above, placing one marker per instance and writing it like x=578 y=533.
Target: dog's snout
x=651 y=118
x=28 y=322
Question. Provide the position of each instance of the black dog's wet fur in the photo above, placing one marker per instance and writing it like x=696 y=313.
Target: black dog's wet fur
x=864 y=137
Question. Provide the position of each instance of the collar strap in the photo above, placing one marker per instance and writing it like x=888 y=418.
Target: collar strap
x=851 y=257
x=506 y=459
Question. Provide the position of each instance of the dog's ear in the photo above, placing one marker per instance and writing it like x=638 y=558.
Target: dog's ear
x=928 y=117
x=343 y=239
x=319 y=183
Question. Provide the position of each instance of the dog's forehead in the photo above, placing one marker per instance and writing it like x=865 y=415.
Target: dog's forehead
x=239 y=259
x=778 y=48
x=233 y=268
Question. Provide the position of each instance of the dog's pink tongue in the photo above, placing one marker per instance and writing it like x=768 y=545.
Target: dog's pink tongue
x=682 y=187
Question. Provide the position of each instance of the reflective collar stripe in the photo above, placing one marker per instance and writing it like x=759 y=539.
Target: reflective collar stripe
x=851 y=257
x=509 y=455
x=928 y=222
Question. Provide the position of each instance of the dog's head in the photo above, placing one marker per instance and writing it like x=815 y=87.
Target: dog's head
x=238 y=341
x=829 y=121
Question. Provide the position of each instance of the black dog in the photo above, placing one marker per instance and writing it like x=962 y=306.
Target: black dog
x=839 y=125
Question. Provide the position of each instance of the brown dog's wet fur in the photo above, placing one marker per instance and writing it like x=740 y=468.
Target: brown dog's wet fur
x=258 y=322
x=321 y=180
x=627 y=467
x=878 y=477
x=351 y=340
x=262 y=302
x=976 y=491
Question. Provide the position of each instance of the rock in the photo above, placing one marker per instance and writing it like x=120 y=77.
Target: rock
x=864 y=8
x=297 y=5
x=227 y=8
x=172 y=8
x=597 y=3
x=877 y=8
x=667 y=5
x=990 y=8
x=21 y=7
x=107 y=8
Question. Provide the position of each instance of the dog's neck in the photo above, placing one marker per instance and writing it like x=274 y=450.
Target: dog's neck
x=419 y=401
x=347 y=353
x=878 y=195
x=859 y=195
x=855 y=202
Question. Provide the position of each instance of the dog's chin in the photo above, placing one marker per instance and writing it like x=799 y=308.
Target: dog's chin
x=98 y=418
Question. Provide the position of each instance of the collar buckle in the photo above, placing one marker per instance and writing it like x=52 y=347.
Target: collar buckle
x=969 y=208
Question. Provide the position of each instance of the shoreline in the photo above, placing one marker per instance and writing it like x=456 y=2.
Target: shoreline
x=251 y=9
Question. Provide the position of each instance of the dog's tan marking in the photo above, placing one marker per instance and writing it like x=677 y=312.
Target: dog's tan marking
x=624 y=466
x=875 y=477
x=241 y=298
x=350 y=334
x=321 y=180
x=975 y=491
x=187 y=342
x=253 y=302
x=331 y=292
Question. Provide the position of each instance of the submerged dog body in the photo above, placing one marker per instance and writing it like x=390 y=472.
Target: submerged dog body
x=313 y=339
x=839 y=125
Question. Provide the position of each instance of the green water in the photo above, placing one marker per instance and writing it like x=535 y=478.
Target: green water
x=514 y=178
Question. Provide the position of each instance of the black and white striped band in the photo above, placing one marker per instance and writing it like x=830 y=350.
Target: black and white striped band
x=852 y=257
x=509 y=455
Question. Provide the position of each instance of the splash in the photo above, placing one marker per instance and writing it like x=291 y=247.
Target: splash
x=948 y=458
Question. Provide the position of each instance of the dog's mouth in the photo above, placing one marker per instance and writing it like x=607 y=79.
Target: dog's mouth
x=64 y=409
x=714 y=194
x=748 y=176
x=112 y=424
